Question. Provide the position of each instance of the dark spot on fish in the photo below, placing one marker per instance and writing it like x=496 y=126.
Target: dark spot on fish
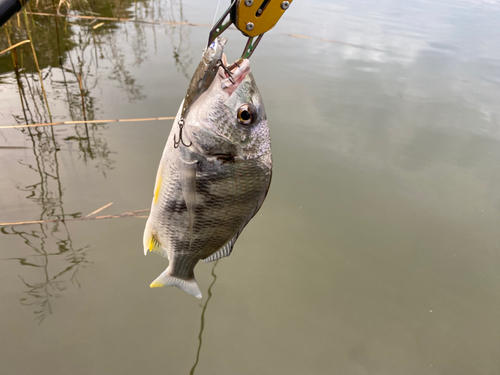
x=175 y=206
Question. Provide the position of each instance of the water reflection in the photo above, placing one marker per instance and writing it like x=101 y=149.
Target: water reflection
x=50 y=247
x=51 y=253
x=202 y=323
x=180 y=41
x=55 y=261
x=73 y=56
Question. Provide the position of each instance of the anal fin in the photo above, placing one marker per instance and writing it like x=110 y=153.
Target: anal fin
x=223 y=252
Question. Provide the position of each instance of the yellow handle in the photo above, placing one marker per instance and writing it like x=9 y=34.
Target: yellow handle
x=255 y=17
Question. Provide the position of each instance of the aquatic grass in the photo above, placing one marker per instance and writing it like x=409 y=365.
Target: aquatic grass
x=80 y=84
x=36 y=62
x=30 y=91
x=118 y=19
x=13 y=54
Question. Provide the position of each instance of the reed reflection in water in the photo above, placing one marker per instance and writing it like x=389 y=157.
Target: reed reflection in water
x=54 y=259
x=73 y=57
x=377 y=246
x=202 y=322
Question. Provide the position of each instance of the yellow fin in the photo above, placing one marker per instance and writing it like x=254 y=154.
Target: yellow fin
x=157 y=188
x=151 y=243
x=154 y=245
x=189 y=286
x=156 y=284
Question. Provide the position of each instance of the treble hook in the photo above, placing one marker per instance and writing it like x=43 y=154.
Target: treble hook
x=178 y=142
x=228 y=72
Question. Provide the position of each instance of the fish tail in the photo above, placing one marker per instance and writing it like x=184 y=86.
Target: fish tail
x=190 y=286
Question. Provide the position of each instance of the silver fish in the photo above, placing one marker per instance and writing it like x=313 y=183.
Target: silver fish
x=214 y=173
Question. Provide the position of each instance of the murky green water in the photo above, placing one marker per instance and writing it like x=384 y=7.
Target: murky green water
x=377 y=250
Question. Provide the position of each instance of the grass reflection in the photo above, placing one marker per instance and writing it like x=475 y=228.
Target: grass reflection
x=72 y=58
x=51 y=250
x=202 y=323
x=55 y=264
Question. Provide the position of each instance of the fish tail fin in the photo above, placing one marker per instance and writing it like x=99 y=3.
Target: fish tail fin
x=190 y=286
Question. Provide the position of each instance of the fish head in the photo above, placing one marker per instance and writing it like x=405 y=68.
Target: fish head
x=229 y=117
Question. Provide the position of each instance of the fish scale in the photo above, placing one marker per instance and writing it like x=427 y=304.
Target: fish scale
x=211 y=184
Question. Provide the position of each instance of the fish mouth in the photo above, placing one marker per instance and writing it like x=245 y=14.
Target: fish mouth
x=234 y=74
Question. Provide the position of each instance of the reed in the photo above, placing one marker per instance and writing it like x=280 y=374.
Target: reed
x=136 y=213
x=36 y=62
x=80 y=84
x=13 y=54
x=100 y=209
x=118 y=19
x=85 y=121
x=11 y=47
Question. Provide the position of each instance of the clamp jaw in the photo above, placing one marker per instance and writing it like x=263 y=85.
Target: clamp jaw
x=253 y=18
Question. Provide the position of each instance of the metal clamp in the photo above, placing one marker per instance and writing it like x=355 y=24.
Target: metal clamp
x=253 y=18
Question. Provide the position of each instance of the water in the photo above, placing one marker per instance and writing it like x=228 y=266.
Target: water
x=376 y=251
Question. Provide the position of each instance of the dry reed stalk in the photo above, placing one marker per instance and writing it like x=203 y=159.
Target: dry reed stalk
x=114 y=19
x=36 y=62
x=15 y=46
x=119 y=19
x=65 y=3
x=100 y=209
x=79 y=76
x=86 y=121
x=136 y=213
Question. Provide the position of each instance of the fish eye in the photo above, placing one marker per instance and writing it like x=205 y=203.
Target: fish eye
x=246 y=114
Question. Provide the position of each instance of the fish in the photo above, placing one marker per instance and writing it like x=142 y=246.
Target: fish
x=214 y=173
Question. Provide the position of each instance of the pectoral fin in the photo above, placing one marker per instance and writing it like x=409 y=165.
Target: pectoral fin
x=187 y=171
x=151 y=243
